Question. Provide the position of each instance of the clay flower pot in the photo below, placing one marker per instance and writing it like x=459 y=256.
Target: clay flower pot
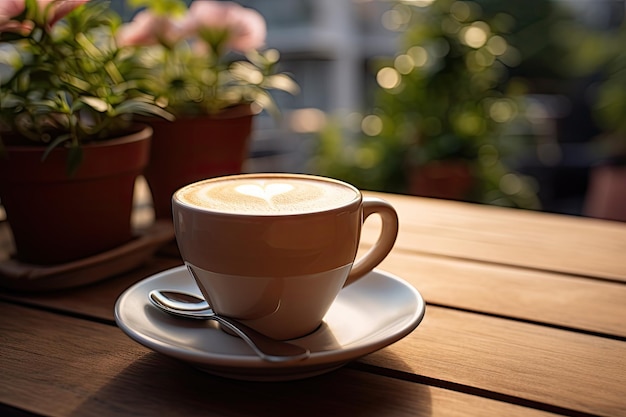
x=606 y=193
x=56 y=218
x=190 y=149
x=447 y=179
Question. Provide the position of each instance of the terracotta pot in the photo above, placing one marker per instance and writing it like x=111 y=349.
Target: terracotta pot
x=451 y=180
x=55 y=218
x=191 y=149
x=606 y=193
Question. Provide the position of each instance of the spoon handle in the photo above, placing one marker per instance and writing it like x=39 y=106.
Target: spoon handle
x=268 y=349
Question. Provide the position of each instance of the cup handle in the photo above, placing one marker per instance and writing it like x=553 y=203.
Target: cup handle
x=385 y=241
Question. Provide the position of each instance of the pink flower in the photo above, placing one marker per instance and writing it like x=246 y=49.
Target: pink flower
x=8 y=10
x=48 y=12
x=23 y=28
x=148 y=29
x=245 y=27
x=56 y=9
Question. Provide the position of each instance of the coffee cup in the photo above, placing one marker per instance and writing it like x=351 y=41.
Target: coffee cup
x=274 y=250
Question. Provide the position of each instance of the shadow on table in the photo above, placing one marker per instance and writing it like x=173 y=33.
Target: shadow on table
x=158 y=385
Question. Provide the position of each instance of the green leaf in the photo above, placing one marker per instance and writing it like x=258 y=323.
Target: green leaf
x=10 y=101
x=56 y=142
x=114 y=72
x=282 y=82
x=263 y=99
x=143 y=108
x=95 y=103
x=88 y=46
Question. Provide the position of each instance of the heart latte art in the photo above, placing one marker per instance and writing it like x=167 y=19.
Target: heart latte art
x=266 y=192
x=267 y=195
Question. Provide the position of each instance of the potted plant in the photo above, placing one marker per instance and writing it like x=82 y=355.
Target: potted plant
x=69 y=152
x=206 y=68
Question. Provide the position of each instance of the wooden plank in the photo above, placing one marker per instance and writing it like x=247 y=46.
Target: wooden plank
x=537 y=296
x=530 y=239
x=57 y=365
x=568 y=370
x=555 y=299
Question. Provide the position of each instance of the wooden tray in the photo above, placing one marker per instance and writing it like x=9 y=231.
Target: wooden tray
x=26 y=277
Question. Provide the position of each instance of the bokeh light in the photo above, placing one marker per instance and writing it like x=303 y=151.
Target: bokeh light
x=502 y=111
x=404 y=64
x=419 y=55
x=475 y=35
x=372 y=125
x=388 y=78
x=395 y=18
x=460 y=10
x=510 y=184
x=488 y=155
x=497 y=45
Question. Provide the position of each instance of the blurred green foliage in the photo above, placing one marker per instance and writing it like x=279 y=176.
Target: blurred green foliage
x=609 y=95
x=454 y=91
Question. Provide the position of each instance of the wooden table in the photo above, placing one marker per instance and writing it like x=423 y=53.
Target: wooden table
x=525 y=316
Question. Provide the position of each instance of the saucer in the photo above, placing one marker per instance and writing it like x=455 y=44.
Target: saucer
x=374 y=312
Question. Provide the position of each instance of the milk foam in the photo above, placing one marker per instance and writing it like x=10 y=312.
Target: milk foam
x=267 y=195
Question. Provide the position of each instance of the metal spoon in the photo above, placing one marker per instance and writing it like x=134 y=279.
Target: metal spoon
x=190 y=306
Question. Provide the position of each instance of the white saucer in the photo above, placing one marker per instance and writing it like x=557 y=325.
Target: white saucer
x=368 y=315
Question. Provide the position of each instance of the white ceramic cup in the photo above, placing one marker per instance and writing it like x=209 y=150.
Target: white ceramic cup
x=274 y=250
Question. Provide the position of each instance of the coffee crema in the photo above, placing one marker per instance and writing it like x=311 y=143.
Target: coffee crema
x=267 y=195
